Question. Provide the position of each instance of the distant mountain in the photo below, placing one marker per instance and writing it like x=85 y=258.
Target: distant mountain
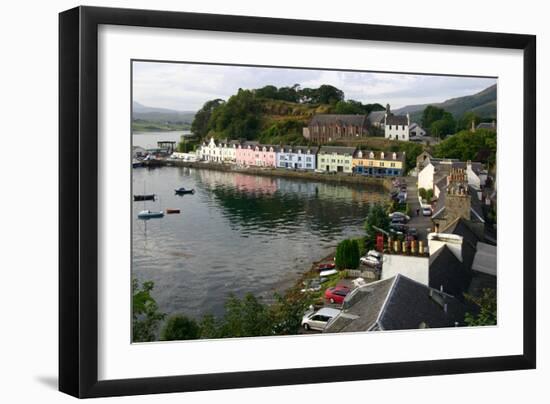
x=154 y=114
x=483 y=103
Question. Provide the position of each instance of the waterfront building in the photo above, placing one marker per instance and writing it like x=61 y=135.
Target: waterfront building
x=396 y=127
x=335 y=159
x=379 y=164
x=255 y=154
x=210 y=151
x=297 y=157
x=324 y=128
x=228 y=149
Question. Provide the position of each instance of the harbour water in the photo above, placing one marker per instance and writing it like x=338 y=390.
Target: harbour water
x=238 y=233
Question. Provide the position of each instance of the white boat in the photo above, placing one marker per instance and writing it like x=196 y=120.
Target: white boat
x=147 y=214
x=328 y=272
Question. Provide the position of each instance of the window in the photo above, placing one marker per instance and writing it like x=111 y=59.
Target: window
x=381 y=164
x=392 y=164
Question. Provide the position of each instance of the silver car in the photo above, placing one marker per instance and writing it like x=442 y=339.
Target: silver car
x=317 y=320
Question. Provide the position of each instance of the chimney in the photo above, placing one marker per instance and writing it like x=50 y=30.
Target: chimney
x=436 y=228
x=441 y=288
x=413 y=246
x=445 y=307
x=396 y=246
x=421 y=247
x=404 y=246
x=408 y=119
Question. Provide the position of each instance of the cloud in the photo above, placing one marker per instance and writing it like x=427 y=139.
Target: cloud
x=186 y=87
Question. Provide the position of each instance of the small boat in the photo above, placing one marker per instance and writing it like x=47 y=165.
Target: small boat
x=136 y=163
x=146 y=197
x=147 y=214
x=325 y=266
x=183 y=191
x=171 y=211
x=328 y=272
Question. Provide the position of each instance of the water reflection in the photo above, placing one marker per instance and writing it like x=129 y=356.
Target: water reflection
x=238 y=233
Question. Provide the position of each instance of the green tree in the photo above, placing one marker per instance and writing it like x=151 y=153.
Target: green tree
x=329 y=94
x=430 y=115
x=347 y=254
x=178 y=328
x=465 y=121
x=487 y=304
x=377 y=218
x=239 y=117
x=444 y=126
x=145 y=313
x=422 y=193
x=467 y=145
x=199 y=126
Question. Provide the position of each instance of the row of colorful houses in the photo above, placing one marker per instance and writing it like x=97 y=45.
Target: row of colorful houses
x=334 y=159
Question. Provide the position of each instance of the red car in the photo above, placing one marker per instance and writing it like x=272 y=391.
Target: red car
x=323 y=267
x=337 y=294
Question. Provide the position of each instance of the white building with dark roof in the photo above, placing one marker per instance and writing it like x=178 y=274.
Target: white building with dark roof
x=396 y=127
x=297 y=157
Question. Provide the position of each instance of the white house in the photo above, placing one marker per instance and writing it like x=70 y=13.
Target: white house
x=297 y=157
x=228 y=149
x=426 y=177
x=210 y=151
x=396 y=127
x=416 y=130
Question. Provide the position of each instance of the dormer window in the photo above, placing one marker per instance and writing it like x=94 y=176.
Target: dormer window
x=381 y=155
x=371 y=155
x=394 y=155
x=360 y=154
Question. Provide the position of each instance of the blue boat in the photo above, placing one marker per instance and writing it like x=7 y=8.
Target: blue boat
x=183 y=191
x=147 y=214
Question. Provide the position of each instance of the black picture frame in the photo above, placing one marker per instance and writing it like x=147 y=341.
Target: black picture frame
x=78 y=200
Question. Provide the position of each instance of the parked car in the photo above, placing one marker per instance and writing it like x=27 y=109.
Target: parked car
x=412 y=232
x=398 y=220
x=426 y=211
x=375 y=254
x=398 y=227
x=369 y=260
x=399 y=214
x=317 y=320
x=337 y=294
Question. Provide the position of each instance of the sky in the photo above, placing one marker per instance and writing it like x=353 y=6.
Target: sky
x=186 y=87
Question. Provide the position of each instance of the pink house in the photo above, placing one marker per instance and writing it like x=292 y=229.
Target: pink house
x=253 y=154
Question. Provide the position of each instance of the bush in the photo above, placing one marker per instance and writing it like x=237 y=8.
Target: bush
x=179 y=327
x=347 y=254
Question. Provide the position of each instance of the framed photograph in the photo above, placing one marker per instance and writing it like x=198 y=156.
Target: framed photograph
x=251 y=202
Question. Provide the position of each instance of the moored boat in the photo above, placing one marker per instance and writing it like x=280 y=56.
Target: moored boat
x=172 y=211
x=148 y=214
x=145 y=197
x=183 y=191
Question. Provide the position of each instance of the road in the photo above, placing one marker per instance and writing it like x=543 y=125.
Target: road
x=423 y=224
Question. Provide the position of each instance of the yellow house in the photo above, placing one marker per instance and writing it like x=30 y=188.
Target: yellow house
x=335 y=159
x=379 y=164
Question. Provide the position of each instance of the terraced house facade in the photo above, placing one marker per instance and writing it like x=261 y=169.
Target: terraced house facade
x=379 y=164
x=335 y=159
x=297 y=157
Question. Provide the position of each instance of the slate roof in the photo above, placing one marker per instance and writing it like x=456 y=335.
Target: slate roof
x=447 y=271
x=397 y=303
x=388 y=156
x=469 y=244
x=303 y=149
x=476 y=206
x=397 y=120
x=337 y=150
x=338 y=119
x=376 y=116
x=485 y=260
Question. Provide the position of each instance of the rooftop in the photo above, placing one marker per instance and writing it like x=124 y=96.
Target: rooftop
x=337 y=149
x=397 y=303
x=338 y=119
